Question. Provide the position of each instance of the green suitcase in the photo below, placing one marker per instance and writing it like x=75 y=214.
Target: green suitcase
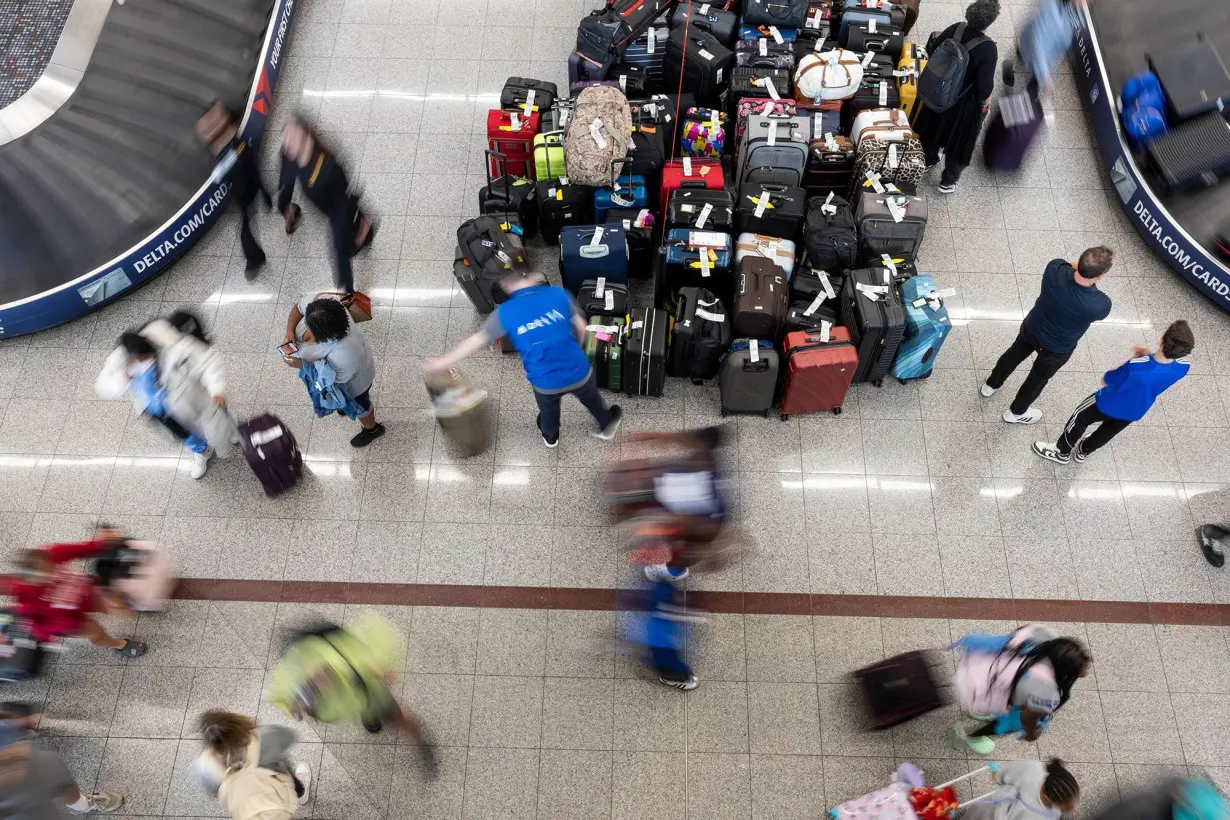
x=604 y=347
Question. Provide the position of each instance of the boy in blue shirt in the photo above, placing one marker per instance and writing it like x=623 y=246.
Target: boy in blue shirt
x=544 y=326
x=1127 y=393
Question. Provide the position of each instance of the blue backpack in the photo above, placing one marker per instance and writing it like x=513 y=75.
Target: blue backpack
x=1144 y=108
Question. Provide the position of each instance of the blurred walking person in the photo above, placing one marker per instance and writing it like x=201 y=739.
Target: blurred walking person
x=54 y=601
x=177 y=379
x=1014 y=683
x=1174 y=798
x=235 y=163
x=323 y=333
x=1028 y=790
x=658 y=625
x=246 y=767
x=1045 y=39
x=337 y=675
x=323 y=180
x=1067 y=305
x=35 y=783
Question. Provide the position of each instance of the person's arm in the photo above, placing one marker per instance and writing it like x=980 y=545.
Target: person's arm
x=63 y=553
x=206 y=366
x=112 y=381
x=292 y=322
x=491 y=330
x=1119 y=374
x=286 y=185
x=984 y=79
x=275 y=741
x=1031 y=723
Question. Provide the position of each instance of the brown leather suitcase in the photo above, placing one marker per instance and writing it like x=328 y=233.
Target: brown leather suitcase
x=761 y=299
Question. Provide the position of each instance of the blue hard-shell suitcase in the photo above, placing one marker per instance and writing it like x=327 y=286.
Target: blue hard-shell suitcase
x=630 y=191
x=926 y=328
x=582 y=256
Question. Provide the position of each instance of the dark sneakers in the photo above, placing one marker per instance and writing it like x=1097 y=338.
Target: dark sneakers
x=1212 y=540
x=367 y=436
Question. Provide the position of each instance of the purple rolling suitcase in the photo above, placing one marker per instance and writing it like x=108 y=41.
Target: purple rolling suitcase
x=1012 y=130
x=272 y=453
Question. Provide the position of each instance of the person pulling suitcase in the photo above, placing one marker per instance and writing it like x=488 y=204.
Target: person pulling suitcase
x=545 y=327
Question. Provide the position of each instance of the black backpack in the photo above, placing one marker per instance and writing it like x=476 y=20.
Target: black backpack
x=189 y=324
x=829 y=233
x=487 y=248
x=942 y=82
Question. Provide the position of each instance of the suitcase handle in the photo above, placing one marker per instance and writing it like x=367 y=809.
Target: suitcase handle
x=620 y=162
x=546 y=148
x=502 y=164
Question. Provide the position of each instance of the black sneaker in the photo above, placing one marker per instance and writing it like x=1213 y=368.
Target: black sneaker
x=612 y=429
x=253 y=269
x=1078 y=455
x=367 y=436
x=552 y=443
x=373 y=726
x=1212 y=541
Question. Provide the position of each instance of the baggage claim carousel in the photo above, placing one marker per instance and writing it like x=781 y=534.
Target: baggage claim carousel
x=103 y=183
x=1114 y=39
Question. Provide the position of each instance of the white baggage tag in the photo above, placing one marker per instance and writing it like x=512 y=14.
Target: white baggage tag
x=610 y=300
x=717 y=77
x=825 y=328
x=563 y=116
x=776 y=35
x=714 y=122
x=705 y=269
x=813 y=20
x=701 y=313
x=819 y=43
x=637 y=325
x=550 y=192
x=817 y=121
x=652 y=108
x=707 y=239
x=688 y=208
x=895 y=209
x=595 y=131
x=762 y=202
x=687 y=166
x=815 y=304
x=892 y=155
x=919 y=302
x=945 y=293
x=628 y=224
x=704 y=9
x=767 y=110
x=653 y=40
x=830 y=144
x=827 y=285
x=888 y=263
x=529 y=101
x=623 y=83
x=763 y=46
x=753 y=351
x=704 y=215
x=874 y=179
x=642 y=218
x=514 y=120
x=887 y=278
x=867 y=58
x=596 y=239
x=828 y=207
x=871 y=26
x=705 y=54
x=772 y=135
x=600 y=288
x=768 y=82
x=883 y=93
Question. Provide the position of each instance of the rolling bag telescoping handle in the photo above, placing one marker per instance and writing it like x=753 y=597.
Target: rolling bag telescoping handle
x=546 y=148
x=502 y=164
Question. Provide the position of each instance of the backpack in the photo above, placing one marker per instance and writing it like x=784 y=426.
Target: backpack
x=487 y=249
x=599 y=132
x=189 y=324
x=250 y=792
x=942 y=82
x=830 y=236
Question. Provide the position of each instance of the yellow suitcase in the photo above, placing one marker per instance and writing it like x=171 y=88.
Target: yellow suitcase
x=913 y=61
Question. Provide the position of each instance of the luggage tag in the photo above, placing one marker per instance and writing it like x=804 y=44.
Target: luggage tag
x=687 y=166
x=706 y=55
x=596 y=240
x=707 y=239
x=819 y=46
x=815 y=304
x=529 y=102
x=889 y=265
x=873 y=180
x=762 y=202
x=871 y=26
x=704 y=215
x=830 y=144
x=642 y=219
x=701 y=313
x=705 y=269
x=653 y=40
x=768 y=83
x=763 y=45
x=717 y=77
x=828 y=207
x=767 y=110
x=704 y=9
x=714 y=122
x=600 y=288
x=896 y=207
x=623 y=83
x=610 y=300
x=776 y=35
x=871 y=292
x=753 y=351
x=515 y=120
x=772 y=135
x=827 y=285
x=883 y=93
x=867 y=58
x=595 y=131
x=892 y=155
x=825 y=328
x=814 y=19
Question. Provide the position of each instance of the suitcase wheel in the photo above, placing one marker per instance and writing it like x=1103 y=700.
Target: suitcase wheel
x=901 y=381
x=836 y=411
x=785 y=416
x=766 y=413
x=878 y=383
x=723 y=412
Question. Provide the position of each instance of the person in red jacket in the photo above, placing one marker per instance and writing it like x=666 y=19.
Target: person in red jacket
x=59 y=602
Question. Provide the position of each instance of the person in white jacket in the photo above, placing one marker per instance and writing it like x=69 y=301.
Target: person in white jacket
x=178 y=380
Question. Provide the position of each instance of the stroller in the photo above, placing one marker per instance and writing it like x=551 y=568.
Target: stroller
x=908 y=797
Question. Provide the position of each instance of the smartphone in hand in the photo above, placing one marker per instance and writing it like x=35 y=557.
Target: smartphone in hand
x=288 y=349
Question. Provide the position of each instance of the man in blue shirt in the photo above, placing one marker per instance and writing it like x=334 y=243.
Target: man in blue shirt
x=1068 y=304
x=1127 y=393
x=544 y=326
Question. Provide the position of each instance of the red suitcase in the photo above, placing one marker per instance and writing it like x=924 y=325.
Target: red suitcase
x=689 y=173
x=817 y=373
x=514 y=138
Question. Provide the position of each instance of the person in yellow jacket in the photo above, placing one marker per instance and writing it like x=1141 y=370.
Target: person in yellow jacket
x=337 y=675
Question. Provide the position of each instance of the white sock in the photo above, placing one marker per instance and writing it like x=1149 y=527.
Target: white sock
x=82 y=804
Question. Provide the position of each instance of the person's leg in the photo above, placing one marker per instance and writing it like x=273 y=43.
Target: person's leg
x=405 y=720
x=371 y=429
x=1045 y=366
x=1020 y=349
x=607 y=417
x=669 y=665
x=1107 y=430
x=173 y=427
x=952 y=173
x=1085 y=414
x=93 y=632
x=548 y=416
x=343 y=245
x=78 y=802
x=252 y=251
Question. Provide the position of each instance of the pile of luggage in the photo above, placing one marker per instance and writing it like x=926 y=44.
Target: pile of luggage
x=756 y=166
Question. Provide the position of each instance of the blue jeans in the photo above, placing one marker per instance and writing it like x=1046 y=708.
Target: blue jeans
x=587 y=394
x=192 y=440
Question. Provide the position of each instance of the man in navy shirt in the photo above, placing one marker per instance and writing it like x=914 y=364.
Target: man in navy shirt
x=544 y=326
x=1126 y=395
x=1068 y=304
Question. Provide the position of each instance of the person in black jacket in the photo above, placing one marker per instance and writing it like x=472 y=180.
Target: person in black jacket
x=236 y=164
x=955 y=131
x=306 y=161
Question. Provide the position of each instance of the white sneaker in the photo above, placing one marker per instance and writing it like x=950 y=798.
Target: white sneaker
x=102 y=802
x=200 y=462
x=303 y=773
x=661 y=572
x=986 y=390
x=685 y=685
x=1031 y=416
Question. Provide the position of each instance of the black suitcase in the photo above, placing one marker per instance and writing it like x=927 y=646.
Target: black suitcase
x=876 y=325
x=723 y=25
x=704 y=64
x=1194 y=155
x=644 y=360
x=687 y=209
x=604 y=347
x=764 y=52
x=509 y=194
x=1194 y=78
x=886 y=40
x=21 y=657
x=647 y=157
x=807 y=283
x=807 y=39
x=562 y=202
x=830 y=166
x=633 y=80
x=667 y=111
x=781 y=216
x=700 y=336
x=597 y=296
x=878 y=66
x=810 y=315
x=898 y=689
x=747 y=381
x=881 y=232
x=639 y=229
x=751 y=81
x=830 y=236
x=517 y=91
x=780 y=13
